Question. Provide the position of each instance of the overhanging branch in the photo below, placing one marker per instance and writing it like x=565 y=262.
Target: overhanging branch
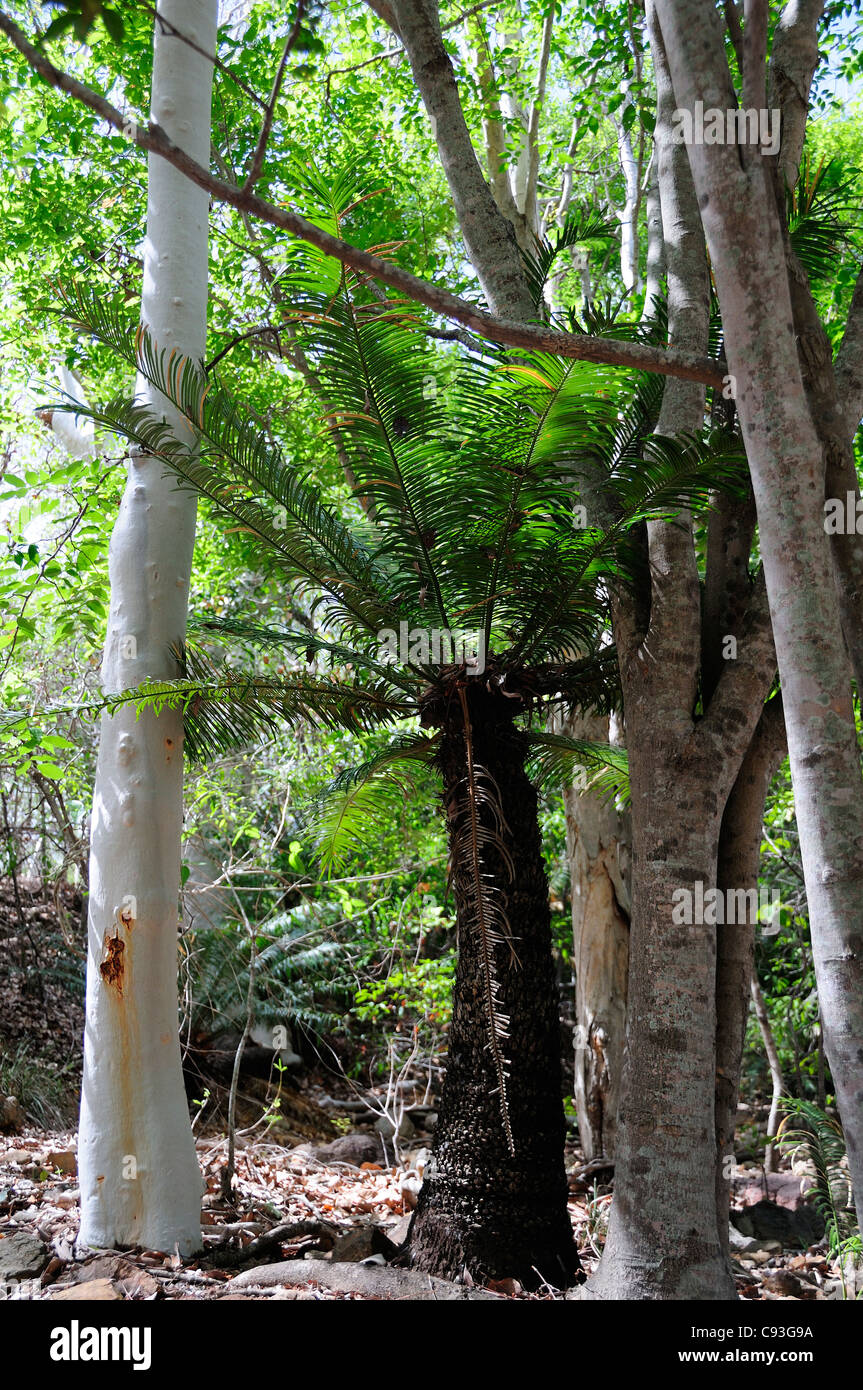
x=671 y=362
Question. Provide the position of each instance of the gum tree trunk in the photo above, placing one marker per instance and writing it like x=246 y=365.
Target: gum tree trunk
x=787 y=465
x=739 y=855
x=482 y=1208
x=663 y=1240
x=598 y=849
x=140 y=1182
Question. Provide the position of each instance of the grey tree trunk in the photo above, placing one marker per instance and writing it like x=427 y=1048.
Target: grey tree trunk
x=598 y=843
x=786 y=461
x=739 y=853
x=663 y=1239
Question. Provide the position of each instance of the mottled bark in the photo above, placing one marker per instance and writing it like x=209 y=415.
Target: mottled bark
x=829 y=416
x=786 y=462
x=663 y=1239
x=598 y=845
x=849 y=362
x=737 y=869
x=484 y=1208
x=793 y=60
x=488 y=236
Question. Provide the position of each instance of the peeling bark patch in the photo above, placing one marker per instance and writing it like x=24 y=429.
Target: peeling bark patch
x=111 y=968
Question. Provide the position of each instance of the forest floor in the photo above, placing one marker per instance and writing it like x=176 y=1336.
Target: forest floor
x=321 y=1202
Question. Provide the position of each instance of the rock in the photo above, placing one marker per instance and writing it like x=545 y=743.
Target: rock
x=130 y=1281
x=387 y=1129
x=786 y=1189
x=783 y=1282
x=430 y=1121
x=740 y=1244
x=17 y=1156
x=398 y=1233
x=768 y=1221
x=371 y=1280
x=11 y=1115
x=68 y=1199
x=350 y=1148
x=95 y=1290
x=362 y=1243
x=64 y=1159
x=22 y=1256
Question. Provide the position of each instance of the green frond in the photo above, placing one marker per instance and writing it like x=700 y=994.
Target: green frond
x=822 y=1137
x=363 y=800
x=582 y=226
x=225 y=709
x=554 y=760
x=823 y=210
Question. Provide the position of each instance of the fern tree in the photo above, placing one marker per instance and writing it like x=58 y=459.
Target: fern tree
x=471 y=511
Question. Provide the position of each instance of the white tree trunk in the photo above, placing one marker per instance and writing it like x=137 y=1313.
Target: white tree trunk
x=139 y=1177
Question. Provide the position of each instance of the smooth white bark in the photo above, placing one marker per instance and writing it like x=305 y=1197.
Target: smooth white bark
x=139 y=1177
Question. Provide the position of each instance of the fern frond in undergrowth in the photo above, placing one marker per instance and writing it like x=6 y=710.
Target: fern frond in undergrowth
x=821 y=1136
x=296 y=962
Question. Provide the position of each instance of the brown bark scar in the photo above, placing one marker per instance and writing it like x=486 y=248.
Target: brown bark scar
x=111 y=968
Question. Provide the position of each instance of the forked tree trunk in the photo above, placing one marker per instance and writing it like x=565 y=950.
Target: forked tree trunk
x=786 y=461
x=140 y=1182
x=482 y=1208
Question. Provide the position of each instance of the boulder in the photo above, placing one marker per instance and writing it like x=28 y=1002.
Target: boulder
x=769 y=1221
x=22 y=1256
x=375 y=1281
x=362 y=1243
x=356 y=1149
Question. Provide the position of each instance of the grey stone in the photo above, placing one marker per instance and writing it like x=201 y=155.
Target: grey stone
x=768 y=1221
x=351 y=1148
x=363 y=1243
x=22 y=1256
x=372 y=1280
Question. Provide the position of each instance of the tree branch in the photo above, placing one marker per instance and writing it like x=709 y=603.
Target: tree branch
x=673 y=362
x=793 y=61
x=849 y=362
x=267 y=125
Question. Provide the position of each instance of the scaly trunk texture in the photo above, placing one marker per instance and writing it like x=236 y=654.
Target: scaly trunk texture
x=482 y=1208
x=140 y=1182
x=787 y=465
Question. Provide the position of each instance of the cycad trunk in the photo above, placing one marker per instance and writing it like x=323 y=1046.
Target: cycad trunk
x=482 y=1208
x=140 y=1182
